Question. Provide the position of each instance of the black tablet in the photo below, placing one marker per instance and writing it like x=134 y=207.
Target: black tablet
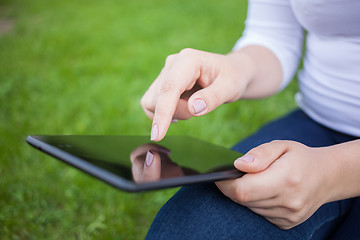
x=134 y=163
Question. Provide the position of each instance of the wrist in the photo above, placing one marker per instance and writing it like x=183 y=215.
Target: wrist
x=243 y=65
x=242 y=71
x=262 y=71
x=344 y=176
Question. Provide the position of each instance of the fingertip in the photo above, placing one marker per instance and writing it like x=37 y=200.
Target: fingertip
x=164 y=113
x=247 y=158
x=154 y=132
x=158 y=131
x=152 y=166
x=149 y=158
x=199 y=106
x=246 y=163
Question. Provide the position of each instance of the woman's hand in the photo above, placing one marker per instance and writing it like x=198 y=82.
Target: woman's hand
x=286 y=181
x=192 y=83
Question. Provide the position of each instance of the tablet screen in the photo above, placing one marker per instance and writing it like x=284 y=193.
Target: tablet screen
x=141 y=163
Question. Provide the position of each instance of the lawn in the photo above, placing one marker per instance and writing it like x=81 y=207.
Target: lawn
x=81 y=67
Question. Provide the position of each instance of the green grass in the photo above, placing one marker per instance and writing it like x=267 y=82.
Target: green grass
x=81 y=67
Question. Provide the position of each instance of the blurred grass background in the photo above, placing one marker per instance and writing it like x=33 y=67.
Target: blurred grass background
x=81 y=67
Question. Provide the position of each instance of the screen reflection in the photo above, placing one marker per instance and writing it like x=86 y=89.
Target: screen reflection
x=151 y=162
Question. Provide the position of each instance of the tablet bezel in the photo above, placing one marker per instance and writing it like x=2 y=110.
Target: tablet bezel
x=122 y=183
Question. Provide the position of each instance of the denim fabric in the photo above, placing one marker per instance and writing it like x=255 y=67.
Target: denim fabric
x=202 y=212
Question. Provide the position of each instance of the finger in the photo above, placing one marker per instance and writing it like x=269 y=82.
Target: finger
x=261 y=157
x=148 y=101
x=146 y=167
x=148 y=104
x=182 y=110
x=137 y=167
x=251 y=187
x=164 y=112
x=183 y=70
x=152 y=167
x=149 y=114
x=168 y=99
x=212 y=96
x=140 y=156
x=274 y=212
x=281 y=223
x=266 y=203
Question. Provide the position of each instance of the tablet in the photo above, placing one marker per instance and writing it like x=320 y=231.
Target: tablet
x=134 y=163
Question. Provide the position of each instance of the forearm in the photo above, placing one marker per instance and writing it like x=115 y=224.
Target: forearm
x=346 y=160
x=272 y=40
x=259 y=68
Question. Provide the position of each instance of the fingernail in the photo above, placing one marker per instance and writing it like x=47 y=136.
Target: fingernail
x=246 y=158
x=154 y=132
x=199 y=105
x=149 y=158
x=174 y=120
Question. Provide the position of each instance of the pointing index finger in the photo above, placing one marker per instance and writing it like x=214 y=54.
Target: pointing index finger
x=164 y=111
x=181 y=75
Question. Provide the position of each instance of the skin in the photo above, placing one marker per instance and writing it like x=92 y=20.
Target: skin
x=220 y=78
x=152 y=170
x=286 y=181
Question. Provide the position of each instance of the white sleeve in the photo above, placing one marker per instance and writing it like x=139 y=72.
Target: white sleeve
x=272 y=24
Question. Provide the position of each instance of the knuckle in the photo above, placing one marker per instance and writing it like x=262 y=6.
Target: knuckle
x=241 y=195
x=296 y=205
x=162 y=112
x=293 y=181
x=260 y=152
x=284 y=143
x=168 y=86
x=145 y=103
x=214 y=97
x=288 y=143
x=277 y=141
x=169 y=59
x=211 y=98
x=187 y=51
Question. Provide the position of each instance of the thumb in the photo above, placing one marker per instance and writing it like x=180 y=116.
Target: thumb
x=212 y=96
x=261 y=157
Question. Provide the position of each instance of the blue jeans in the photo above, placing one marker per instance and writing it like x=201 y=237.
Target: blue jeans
x=203 y=212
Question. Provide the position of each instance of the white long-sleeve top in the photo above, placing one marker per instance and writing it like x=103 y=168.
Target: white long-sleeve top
x=329 y=83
